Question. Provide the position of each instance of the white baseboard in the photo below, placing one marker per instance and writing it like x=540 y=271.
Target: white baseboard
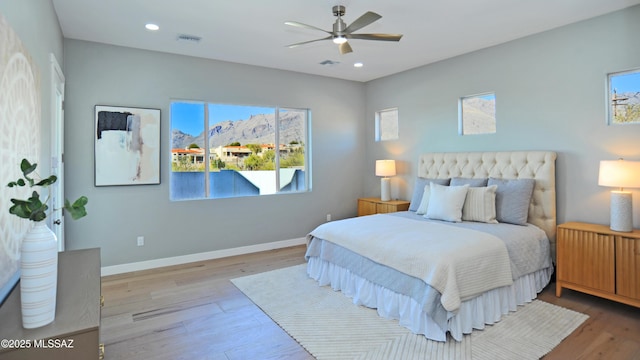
x=184 y=259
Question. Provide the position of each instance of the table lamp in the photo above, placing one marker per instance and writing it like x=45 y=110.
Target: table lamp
x=385 y=168
x=621 y=174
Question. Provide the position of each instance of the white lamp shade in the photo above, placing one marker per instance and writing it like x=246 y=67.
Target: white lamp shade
x=385 y=168
x=619 y=173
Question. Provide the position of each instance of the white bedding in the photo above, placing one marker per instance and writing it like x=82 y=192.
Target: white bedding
x=431 y=299
x=460 y=263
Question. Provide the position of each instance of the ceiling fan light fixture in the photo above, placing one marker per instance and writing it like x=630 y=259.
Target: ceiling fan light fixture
x=339 y=39
x=341 y=31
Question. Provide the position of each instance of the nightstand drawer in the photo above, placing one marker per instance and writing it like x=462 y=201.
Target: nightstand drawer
x=370 y=206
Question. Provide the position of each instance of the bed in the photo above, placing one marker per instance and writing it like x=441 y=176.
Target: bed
x=448 y=266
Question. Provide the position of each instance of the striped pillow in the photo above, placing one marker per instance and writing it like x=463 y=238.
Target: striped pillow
x=480 y=205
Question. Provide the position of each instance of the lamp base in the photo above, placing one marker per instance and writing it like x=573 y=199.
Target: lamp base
x=621 y=211
x=385 y=189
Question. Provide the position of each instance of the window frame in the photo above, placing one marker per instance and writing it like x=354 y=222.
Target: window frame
x=461 y=119
x=381 y=130
x=277 y=110
x=631 y=81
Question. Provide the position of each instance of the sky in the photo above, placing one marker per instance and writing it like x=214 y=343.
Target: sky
x=629 y=82
x=188 y=116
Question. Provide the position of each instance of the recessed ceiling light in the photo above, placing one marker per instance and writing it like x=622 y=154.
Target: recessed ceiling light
x=152 y=27
x=358 y=65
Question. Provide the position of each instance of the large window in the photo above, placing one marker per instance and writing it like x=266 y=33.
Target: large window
x=221 y=151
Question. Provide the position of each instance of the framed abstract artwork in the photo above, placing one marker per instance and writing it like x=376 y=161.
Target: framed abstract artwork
x=127 y=146
x=623 y=97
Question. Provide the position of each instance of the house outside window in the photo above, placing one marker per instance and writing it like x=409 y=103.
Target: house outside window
x=245 y=150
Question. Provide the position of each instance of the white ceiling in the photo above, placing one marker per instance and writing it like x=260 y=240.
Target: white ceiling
x=253 y=31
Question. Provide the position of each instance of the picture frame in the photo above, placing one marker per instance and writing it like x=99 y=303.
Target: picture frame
x=623 y=97
x=127 y=146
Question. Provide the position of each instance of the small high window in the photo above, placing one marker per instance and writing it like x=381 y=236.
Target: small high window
x=387 y=124
x=624 y=97
x=477 y=114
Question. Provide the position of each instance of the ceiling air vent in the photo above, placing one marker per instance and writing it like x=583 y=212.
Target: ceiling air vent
x=189 y=38
x=329 y=63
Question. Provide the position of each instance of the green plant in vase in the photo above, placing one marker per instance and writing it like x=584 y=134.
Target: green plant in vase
x=35 y=209
x=39 y=249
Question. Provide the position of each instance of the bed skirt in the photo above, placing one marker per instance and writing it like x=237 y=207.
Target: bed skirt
x=475 y=313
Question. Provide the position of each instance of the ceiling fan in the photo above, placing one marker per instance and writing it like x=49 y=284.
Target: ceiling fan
x=341 y=32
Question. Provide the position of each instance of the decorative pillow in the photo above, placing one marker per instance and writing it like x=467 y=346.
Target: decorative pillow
x=445 y=202
x=424 y=203
x=458 y=181
x=418 y=190
x=480 y=204
x=512 y=199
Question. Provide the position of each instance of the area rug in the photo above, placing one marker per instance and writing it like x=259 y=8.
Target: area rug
x=330 y=326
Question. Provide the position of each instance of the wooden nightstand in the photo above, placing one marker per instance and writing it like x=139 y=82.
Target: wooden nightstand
x=599 y=261
x=370 y=206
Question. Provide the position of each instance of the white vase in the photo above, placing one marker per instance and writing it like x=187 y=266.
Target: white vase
x=39 y=276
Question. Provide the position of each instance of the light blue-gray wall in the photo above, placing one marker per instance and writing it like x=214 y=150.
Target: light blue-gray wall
x=550 y=94
x=100 y=74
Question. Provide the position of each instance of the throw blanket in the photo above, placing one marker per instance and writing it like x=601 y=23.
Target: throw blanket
x=459 y=263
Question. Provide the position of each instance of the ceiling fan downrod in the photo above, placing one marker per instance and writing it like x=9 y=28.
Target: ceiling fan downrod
x=339 y=25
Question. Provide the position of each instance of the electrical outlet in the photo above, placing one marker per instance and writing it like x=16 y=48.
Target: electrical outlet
x=140 y=240
x=328 y=217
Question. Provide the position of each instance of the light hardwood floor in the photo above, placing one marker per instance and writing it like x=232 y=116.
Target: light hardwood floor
x=193 y=311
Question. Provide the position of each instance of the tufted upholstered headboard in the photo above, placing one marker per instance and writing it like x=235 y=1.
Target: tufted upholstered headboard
x=538 y=165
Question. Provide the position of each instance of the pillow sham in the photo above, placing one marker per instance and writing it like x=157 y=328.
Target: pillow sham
x=480 y=205
x=512 y=199
x=459 y=181
x=419 y=188
x=424 y=203
x=446 y=202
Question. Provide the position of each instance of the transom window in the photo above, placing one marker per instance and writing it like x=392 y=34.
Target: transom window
x=222 y=150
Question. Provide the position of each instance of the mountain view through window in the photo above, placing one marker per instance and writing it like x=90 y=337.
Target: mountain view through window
x=245 y=150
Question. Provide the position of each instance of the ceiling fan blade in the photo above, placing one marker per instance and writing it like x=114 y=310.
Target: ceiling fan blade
x=306 y=42
x=304 y=26
x=382 y=37
x=364 y=20
x=344 y=48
